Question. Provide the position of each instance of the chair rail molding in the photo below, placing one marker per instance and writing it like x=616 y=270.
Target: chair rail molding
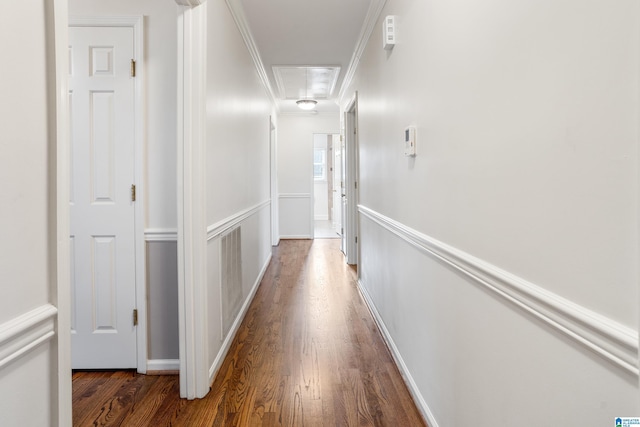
x=25 y=332
x=161 y=235
x=220 y=227
x=613 y=341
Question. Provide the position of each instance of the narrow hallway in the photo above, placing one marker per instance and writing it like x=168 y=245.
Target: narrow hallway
x=308 y=353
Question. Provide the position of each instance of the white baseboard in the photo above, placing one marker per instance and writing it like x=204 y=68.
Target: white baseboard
x=215 y=366
x=402 y=367
x=156 y=365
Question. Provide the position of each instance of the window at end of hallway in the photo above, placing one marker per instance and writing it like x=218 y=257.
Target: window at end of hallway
x=320 y=164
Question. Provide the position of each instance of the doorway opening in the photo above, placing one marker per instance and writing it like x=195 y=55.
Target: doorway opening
x=350 y=198
x=327 y=169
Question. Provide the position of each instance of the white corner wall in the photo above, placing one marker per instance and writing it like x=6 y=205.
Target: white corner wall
x=295 y=170
x=237 y=173
x=35 y=372
x=502 y=261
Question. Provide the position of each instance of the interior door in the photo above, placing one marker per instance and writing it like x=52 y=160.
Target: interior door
x=343 y=196
x=101 y=102
x=337 y=185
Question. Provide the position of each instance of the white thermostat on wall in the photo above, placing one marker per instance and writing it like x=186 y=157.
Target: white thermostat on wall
x=410 y=141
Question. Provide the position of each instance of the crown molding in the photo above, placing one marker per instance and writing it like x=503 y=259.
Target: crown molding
x=375 y=9
x=243 y=26
x=190 y=3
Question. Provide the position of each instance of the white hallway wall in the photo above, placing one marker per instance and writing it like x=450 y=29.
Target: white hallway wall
x=527 y=117
x=295 y=168
x=160 y=94
x=31 y=371
x=237 y=169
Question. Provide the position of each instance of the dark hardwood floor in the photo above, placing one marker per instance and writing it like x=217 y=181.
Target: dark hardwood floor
x=308 y=353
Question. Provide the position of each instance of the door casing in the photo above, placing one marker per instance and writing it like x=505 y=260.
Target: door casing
x=351 y=221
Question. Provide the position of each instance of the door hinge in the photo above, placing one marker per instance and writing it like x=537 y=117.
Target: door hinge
x=356 y=239
x=340 y=138
x=356 y=184
x=133 y=68
x=135 y=317
x=133 y=192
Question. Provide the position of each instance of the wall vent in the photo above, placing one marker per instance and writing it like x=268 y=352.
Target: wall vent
x=231 y=278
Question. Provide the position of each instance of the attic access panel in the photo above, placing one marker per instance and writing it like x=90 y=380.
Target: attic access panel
x=297 y=82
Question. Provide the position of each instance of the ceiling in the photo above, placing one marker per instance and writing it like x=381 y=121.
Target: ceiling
x=306 y=46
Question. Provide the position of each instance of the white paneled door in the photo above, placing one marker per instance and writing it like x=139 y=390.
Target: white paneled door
x=101 y=102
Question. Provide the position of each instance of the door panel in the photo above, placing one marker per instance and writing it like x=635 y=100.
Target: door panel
x=343 y=196
x=102 y=212
x=337 y=187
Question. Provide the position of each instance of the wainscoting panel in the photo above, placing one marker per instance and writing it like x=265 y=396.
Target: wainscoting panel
x=608 y=338
x=238 y=253
x=296 y=215
x=162 y=294
x=474 y=340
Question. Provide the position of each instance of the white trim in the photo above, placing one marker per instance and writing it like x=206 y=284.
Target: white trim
x=220 y=227
x=190 y=3
x=311 y=113
x=217 y=363
x=397 y=357
x=25 y=332
x=613 y=341
x=273 y=183
x=161 y=235
x=155 y=365
x=108 y=21
x=191 y=198
x=59 y=213
x=375 y=9
x=351 y=229
x=243 y=26
x=297 y=237
x=294 y=196
x=137 y=24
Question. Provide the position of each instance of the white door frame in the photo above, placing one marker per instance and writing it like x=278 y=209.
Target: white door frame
x=137 y=24
x=58 y=70
x=351 y=223
x=191 y=199
x=273 y=166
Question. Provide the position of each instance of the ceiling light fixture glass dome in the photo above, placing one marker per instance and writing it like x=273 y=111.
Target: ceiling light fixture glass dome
x=306 y=104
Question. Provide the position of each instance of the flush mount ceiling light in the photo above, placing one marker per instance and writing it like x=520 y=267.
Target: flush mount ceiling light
x=306 y=103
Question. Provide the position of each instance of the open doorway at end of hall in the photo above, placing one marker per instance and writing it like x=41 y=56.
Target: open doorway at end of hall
x=327 y=186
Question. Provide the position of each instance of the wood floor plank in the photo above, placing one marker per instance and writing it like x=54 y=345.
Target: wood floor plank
x=308 y=353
